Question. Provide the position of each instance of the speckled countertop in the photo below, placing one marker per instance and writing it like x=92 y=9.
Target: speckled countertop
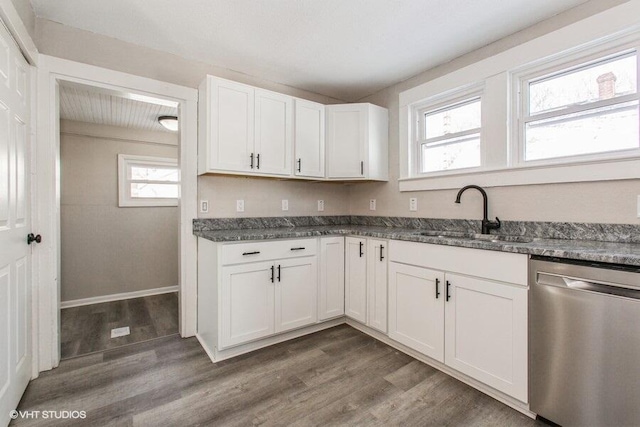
x=586 y=250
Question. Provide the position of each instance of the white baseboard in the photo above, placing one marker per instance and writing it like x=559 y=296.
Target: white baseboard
x=118 y=297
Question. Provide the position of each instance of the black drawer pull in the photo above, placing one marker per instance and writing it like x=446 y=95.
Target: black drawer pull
x=448 y=294
x=251 y=156
x=279 y=273
x=437 y=288
x=272 y=273
x=361 y=253
x=381 y=249
x=299 y=165
x=258 y=161
x=298 y=249
x=251 y=253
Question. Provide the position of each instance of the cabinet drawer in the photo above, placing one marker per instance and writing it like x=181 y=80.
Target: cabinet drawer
x=238 y=253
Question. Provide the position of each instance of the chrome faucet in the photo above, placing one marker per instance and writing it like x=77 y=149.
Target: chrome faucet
x=487 y=225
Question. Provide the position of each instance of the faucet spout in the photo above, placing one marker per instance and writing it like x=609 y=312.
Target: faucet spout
x=487 y=225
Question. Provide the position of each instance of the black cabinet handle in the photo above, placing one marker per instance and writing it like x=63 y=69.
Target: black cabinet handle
x=258 y=161
x=278 y=273
x=448 y=294
x=31 y=238
x=251 y=157
x=298 y=249
x=381 y=248
x=272 y=273
x=437 y=288
x=361 y=253
x=299 y=165
x=251 y=253
x=362 y=168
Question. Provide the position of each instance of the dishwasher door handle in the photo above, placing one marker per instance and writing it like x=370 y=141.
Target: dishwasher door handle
x=587 y=285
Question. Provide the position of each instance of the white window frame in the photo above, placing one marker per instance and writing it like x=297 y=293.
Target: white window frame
x=522 y=78
x=444 y=102
x=125 y=162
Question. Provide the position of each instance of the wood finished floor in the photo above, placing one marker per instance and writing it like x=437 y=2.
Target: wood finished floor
x=339 y=376
x=87 y=329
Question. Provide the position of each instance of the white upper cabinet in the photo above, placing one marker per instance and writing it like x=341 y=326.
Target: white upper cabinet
x=273 y=133
x=226 y=128
x=357 y=142
x=244 y=130
x=309 y=139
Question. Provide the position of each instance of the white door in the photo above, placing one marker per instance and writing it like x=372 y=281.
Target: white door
x=355 y=277
x=274 y=133
x=416 y=308
x=377 y=284
x=15 y=253
x=296 y=293
x=346 y=140
x=232 y=130
x=247 y=303
x=331 y=288
x=486 y=333
x=309 y=139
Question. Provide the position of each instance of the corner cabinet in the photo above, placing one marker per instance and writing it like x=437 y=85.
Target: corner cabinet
x=243 y=130
x=309 y=139
x=357 y=142
x=331 y=287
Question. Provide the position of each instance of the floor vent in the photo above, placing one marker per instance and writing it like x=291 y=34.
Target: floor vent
x=120 y=332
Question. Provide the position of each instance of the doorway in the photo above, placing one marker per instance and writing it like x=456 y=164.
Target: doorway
x=119 y=219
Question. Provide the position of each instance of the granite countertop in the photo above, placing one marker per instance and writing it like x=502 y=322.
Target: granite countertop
x=586 y=250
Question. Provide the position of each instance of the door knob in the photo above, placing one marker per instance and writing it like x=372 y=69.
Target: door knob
x=31 y=238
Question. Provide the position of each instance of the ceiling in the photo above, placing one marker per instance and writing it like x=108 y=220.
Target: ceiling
x=91 y=105
x=346 y=49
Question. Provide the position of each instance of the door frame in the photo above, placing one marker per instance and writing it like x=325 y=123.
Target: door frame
x=46 y=211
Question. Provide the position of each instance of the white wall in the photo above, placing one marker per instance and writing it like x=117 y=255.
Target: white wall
x=106 y=249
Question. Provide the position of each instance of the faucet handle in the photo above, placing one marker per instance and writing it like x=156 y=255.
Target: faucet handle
x=497 y=223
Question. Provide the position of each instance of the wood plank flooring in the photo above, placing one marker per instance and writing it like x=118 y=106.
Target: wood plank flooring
x=339 y=376
x=87 y=329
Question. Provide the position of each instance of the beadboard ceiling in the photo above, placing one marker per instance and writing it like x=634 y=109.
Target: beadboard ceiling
x=89 y=105
x=346 y=49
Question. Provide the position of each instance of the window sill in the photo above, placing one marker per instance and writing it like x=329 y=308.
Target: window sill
x=548 y=174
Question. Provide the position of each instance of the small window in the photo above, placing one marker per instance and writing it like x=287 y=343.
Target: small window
x=148 y=181
x=450 y=136
x=590 y=109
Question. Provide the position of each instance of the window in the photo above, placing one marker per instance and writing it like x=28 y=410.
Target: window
x=147 y=181
x=588 y=110
x=449 y=135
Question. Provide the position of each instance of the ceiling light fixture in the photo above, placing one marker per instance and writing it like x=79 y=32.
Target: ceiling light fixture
x=169 y=122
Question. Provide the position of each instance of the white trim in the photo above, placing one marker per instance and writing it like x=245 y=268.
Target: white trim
x=118 y=297
x=499 y=396
x=18 y=31
x=125 y=162
x=46 y=212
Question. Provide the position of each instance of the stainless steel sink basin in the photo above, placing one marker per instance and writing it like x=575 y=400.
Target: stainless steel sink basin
x=471 y=236
x=452 y=234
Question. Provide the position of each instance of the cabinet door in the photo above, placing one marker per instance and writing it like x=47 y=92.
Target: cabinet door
x=274 y=133
x=246 y=303
x=232 y=130
x=296 y=293
x=416 y=308
x=346 y=140
x=355 y=300
x=486 y=333
x=331 y=288
x=377 y=284
x=309 y=139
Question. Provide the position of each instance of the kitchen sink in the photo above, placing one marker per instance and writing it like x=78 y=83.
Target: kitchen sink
x=452 y=234
x=471 y=236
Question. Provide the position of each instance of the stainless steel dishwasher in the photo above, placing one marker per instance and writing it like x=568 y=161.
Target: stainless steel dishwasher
x=584 y=342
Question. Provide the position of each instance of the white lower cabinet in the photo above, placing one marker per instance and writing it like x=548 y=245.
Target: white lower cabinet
x=331 y=287
x=377 y=251
x=296 y=286
x=476 y=325
x=247 y=303
x=486 y=333
x=355 y=278
x=416 y=308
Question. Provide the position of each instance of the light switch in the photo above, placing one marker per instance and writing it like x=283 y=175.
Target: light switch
x=413 y=204
x=239 y=205
x=285 y=205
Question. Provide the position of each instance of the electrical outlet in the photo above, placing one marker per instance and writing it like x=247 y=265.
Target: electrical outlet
x=204 y=206
x=239 y=205
x=320 y=205
x=413 y=204
x=285 y=205
x=372 y=204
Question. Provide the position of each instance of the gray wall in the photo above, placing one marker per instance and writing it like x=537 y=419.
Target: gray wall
x=106 y=249
x=588 y=202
